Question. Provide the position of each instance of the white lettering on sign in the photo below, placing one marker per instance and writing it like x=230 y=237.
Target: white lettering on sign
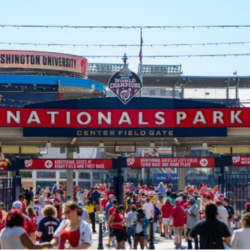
x=102 y=117
x=67 y=117
x=218 y=116
x=199 y=117
x=180 y=116
x=235 y=117
x=52 y=116
x=33 y=118
x=158 y=116
x=15 y=117
x=79 y=117
x=141 y=122
x=125 y=119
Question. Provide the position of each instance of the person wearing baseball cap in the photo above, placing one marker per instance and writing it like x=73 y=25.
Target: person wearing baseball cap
x=129 y=223
x=85 y=214
x=247 y=207
x=58 y=208
x=222 y=212
x=192 y=218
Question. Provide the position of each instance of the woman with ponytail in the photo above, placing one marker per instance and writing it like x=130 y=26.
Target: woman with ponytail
x=72 y=232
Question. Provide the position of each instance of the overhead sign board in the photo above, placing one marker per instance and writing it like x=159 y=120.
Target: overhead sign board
x=68 y=164
x=241 y=161
x=19 y=59
x=125 y=87
x=170 y=162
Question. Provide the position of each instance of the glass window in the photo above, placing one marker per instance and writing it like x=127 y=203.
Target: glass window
x=42 y=174
x=84 y=175
x=96 y=176
x=63 y=175
x=26 y=174
x=84 y=185
x=44 y=184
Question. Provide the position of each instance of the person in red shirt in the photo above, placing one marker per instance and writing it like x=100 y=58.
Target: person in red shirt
x=111 y=231
x=28 y=225
x=178 y=223
x=32 y=215
x=104 y=202
x=58 y=208
x=185 y=207
x=21 y=199
x=116 y=221
x=166 y=210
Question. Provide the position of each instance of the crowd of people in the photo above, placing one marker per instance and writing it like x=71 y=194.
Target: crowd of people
x=202 y=216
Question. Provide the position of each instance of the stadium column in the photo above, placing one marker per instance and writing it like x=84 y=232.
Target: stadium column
x=180 y=152
x=70 y=174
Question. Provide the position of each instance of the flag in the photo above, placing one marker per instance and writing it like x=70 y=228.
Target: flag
x=235 y=73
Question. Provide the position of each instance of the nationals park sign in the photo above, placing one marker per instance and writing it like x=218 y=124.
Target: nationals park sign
x=141 y=117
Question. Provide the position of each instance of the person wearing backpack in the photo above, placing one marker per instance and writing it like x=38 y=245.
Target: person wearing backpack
x=213 y=232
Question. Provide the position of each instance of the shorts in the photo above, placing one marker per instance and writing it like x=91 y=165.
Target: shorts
x=167 y=221
x=178 y=230
x=119 y=234
x=111 y=232
x=97 y=207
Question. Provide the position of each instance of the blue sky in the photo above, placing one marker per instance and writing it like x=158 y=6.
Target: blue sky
x=157 y=12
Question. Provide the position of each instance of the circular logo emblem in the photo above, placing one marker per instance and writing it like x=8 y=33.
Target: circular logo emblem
x=125 y=94
x=130 y=161
x=204 y=162
x=48 y=164
x=28 y=163
x=236 y=159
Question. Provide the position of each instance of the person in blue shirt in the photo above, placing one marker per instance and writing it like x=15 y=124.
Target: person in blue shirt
x=161 y=190
x=108 y=206
x=132 y=186
x=157 y=214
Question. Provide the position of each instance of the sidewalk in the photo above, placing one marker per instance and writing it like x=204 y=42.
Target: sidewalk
x=159 y=242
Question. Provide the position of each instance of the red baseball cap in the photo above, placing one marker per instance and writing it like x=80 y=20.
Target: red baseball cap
x=247 y=204
x=218 y=202
x=177 y=202
x=133 y=206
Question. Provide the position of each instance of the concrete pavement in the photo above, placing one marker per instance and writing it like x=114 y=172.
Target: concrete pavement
x=159 y=242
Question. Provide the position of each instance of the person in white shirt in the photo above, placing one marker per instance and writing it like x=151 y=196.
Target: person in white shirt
x=38 y=210
x=222 y=212
x=148 y=209
x=13 y=236
x=241 y=237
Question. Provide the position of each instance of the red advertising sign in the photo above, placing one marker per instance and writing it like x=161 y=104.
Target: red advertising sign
x=170 y=162
x=68 y=164
x=241 y=160
x=43 y=60
x=124 y=118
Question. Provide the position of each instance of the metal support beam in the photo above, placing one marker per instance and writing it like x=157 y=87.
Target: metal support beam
x=180 y=152
x=237 y=88
x=227 y=89
x=69 y=175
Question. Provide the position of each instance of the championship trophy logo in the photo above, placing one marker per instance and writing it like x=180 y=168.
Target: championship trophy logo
x=125 y=83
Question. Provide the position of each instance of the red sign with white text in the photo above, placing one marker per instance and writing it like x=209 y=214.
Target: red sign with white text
x=241 y=161
x=124 y=118
x=170 y=162
x=68 y=164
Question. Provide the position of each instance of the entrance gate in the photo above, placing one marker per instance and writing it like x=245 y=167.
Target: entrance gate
x=7 y=192
x=237 y=191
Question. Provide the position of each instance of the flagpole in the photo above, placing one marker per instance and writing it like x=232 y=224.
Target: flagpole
x=140 y=72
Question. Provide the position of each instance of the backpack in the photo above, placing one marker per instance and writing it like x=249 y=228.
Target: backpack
x=212 y=240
